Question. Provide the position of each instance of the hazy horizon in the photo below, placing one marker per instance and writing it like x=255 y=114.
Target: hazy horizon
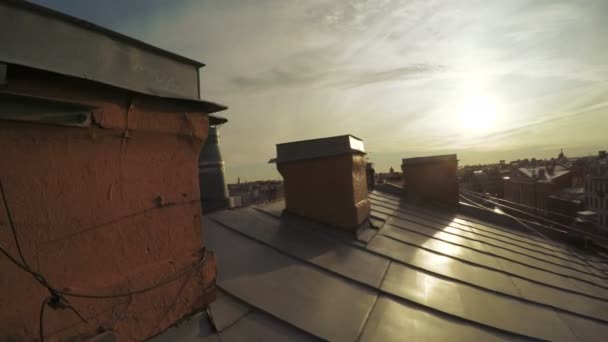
x=487 y=80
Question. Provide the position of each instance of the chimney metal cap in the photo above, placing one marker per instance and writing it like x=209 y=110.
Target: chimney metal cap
x=318 y=148
x=215 y=120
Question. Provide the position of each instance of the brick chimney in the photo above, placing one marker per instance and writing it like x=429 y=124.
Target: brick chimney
x=325 y=180
x=432 y=179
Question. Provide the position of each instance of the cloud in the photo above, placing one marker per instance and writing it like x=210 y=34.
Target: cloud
x=279 y=78
x=391 y=71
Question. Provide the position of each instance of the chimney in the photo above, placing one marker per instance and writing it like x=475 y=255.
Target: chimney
x=212 y=183
x=325 y=180
x=541 y=173
x=432 y=179
x=371 y=176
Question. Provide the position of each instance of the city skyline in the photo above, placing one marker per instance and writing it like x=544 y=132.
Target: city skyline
x=409 y=78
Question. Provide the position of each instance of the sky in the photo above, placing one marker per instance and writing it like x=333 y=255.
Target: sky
x=487 y=80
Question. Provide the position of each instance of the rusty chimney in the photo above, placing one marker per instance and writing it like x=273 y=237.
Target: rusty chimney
x=432 y=179
x=325 y=180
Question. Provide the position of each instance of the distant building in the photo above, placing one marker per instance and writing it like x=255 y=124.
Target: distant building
x=479 y=181
x=596 y=186
x=245 y=194
x=389 y=177
x=533 y=185
x=563 y=206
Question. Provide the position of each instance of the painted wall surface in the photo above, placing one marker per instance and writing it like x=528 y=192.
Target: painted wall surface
x=436 y=182
x=331 y=190
x=102 y=210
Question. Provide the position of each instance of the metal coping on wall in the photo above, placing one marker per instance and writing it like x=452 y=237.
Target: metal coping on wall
x=43 y=39
x=93 y=27
x=429 y=159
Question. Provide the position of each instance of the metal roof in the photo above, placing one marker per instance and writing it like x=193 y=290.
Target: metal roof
x=533 y=173
x=40 y=38
x=318 y=148
x=417 y=274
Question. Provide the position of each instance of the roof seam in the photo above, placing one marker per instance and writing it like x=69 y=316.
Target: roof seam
x=476 y=228
x=367 y=316
x=488 y=243
x=391 y=260
x=268 y=313
x=498 y=271
x=395 y=297
x=472 y=221
x=505 y=258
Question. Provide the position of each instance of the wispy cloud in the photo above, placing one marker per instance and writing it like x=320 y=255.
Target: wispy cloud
x=392 y=71
x=278 y=78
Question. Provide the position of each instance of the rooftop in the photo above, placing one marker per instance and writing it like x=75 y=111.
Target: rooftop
x=416 y=273
x=533 y=172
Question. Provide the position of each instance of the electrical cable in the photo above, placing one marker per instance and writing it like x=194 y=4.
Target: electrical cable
x=537 y=232
x=171 y=279
x=12 y=225
x=582 y=232
x=56 y=299
x=41 y=320
x=505 y=214
x=518 y=204
x=544 y=219
x=518 y=210
x=508 y=215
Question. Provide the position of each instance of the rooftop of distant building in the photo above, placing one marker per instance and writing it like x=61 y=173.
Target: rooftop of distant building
x=544 y=173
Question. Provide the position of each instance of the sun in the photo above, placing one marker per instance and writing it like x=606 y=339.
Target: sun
x=479 y=114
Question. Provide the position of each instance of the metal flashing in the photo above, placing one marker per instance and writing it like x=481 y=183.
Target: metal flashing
x=429 y=159
x=43 y=39
x=318 y=148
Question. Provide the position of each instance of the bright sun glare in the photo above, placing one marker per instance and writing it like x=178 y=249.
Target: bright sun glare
x=479 y=114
